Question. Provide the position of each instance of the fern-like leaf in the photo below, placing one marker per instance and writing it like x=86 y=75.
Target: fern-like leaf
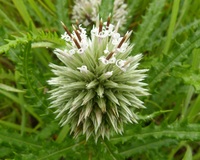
x=176 y=131
x=42 y=36
x=13 y=43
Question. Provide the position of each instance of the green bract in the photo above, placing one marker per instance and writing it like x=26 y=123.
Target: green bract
x=96 y=90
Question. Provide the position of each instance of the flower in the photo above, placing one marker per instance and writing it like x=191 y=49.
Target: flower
x=96 y=89
x=86 y=11
x=119 y=12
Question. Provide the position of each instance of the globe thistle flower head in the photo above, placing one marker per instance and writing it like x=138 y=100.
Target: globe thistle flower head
x=86 y=11
x=96 y=89
x=119 y=12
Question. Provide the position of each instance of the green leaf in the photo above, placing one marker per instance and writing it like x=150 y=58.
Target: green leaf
x=9 y=88
x=21 y=7
x=11 y=96
x=142 y=147
x=170 y=31
x=57 y=153
x=48 y=6
x=192 y=78
x=13 y=44
x=177 y=131
x=195 y=109
x=13 y=138
x=15 y=126
x=41 y=39
x=149 y=21
x=178 y=54
x=111 y=151
x=34 y=5
x=7 y=18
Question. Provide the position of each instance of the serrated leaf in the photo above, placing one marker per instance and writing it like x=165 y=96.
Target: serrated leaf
x=191 y=78
x=177 y=131
x=141 y=147
x=178 y=54
x=148 y=24
x=16 y=139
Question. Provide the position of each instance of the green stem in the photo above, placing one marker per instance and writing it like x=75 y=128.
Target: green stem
x=171 y=25
x=23 y=111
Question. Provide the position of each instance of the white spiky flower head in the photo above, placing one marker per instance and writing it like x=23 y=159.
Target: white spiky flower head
x=96 y=90
x=86 y=11
x=119 y=12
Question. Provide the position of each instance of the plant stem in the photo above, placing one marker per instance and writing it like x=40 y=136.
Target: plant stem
x=23 y=111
